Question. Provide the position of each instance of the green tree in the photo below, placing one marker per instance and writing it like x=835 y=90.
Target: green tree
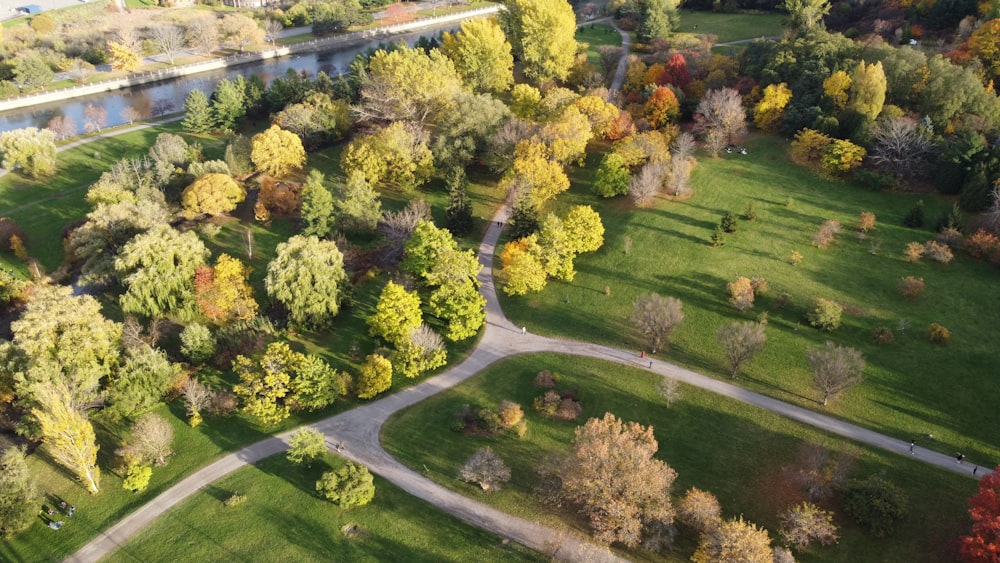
x=67 y=434
x=141 y=381
x=307 y=276
x=461 y=306
x=374 y=376
x=349 y=487
x=584 y=229
x=31 y=71
x=542 y=35
x=30 y=151
x=317 y=206
x=874 y=503
x=137 y=477
x=868 y=87
x=806 y=16
x=612 y=177
x=558 y=251
x=467 y=129
x=396 y=314
x=396 y=156
x=657 y=19
x=422 y=350
x=197 y=113
x=481 y=55
x=157 y=269
x=358 y=204
x=306 y=446
x=213 y=194
x=458 y=214
x=228 y=105
x=197 y=343
x=19 y=497
x=523 y=271
x=315 y=385
x=277 y=152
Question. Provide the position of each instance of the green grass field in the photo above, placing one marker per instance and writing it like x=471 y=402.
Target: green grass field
x=738 y=452
x=731 y=27
x=912 y=388
x=283 y=519
x=596 y=36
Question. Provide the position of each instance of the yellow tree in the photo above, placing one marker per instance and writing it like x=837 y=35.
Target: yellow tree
x=263 y=388
x=396 y=315
x=984 y=44
x=533 y=171
x=213 y=194
x=67 y=434
x=522 y=271
x=223 y=291
x=868 y=86
x=277 y=152
x=770 y=109
x=543 y=36
x=584 y=228
x=567 y=137
x=122 y=57
x=601 y=114
x=481 y=54
x=835 y=87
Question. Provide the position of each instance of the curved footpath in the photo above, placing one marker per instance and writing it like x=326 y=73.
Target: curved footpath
x=358 y=429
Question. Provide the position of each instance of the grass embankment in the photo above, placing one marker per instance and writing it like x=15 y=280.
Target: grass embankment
x=736 y=451
x=912 y=388
x=283 y=519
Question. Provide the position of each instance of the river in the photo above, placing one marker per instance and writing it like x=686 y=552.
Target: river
x=166 y=97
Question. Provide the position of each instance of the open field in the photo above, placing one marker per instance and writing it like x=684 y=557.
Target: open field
x=283 y=519
x=731 y=27
x=912 y=388
x=738 y=452
x=596 y=35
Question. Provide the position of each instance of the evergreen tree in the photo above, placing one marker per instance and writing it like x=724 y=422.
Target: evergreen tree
x=317 y=206
x=458 y=215
x=523 y=219
x=197 y=114
x=228 y=105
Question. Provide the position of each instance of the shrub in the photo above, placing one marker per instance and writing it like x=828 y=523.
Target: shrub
x=741 y=293
x=826 y=233
x=938 y=252
x=223 y=403
x=234 y=500
x=809 y=146
x=569 y=409
x=875 y=180
x=825 y=314
x=559 y=407
x=548 y=404
x=874 y=503
x=197 y=343
x=804 y=523
x=510 y=414
x=911 y=287
x=760 y=286
x=914 y=251
x=545 y=379
x=718 y=237
x=883 y=335
x=982 y=244
x=750 y=214
x=137 y=478
x=728 y=222
x=489 y=421
x=950 y=237
x=938 y=334
x=866 y=221
x=486 y=469
x=699 y=510
x=915 y=218
x=842 y=156
x=350 y=486
x=795 y=258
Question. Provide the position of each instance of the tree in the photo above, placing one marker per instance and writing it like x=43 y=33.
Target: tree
x=982 y=545
x=169 y=39
x=229 y=104
x=277 y=152
x=465 y=132
x=458 y=214
x=542 y=35
x=374 y=376
x=486 y=469
x=699 y=510
x=566 y=136
x=657 y=19
x=306 y=446
x=157 y=269
x=137 y=477
x=741 y=341
x=396 y=314
x=197 y=343
x=150 y=444
x=662 y=107
x=263 y=388
x=30 y=151
x=223 y=292
x=868 y=87
x=836 y=87
x=985 y=46
x=123 y=57
x=612 y=177
x=212 y=194
x=315 y=384
x=396 y=155
x=734 y=541
x=197 y=113
x=317 y=206
x=307 y=276
x=241 y=31
x=824 y=314
x=31 y=71
x=835 y=368
x=806 y=522
x=656 y=317
x=741 y=290
x=770 y=109
x=842 y=156
x=203 y=33
x=349 y=487
x=19 y=497
x=647 y=183
x=358 y=204
x=613 y=476
x=534 y=174
x=806 y=16
x=584 y=229
x=67 y=434
x=422 y=351
x=140 y=381
x=408 y=84
x=720 y=113
x=523 y=271
x=95 y=118
x=481 y=55
x=902 y=144
x=874 y=503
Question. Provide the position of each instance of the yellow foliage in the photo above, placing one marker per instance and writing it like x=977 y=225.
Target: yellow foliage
x=522 y=271
x=601 y=114
x=17 y=247
x=809 y=146
x=767 y=115
x=121 y=57
x=277 y=152
x=836 y=86
x=533 y=171
x=67 y=434
x=842 y=156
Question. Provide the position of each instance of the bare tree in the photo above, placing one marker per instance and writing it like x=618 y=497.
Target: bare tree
x=992 y=214
x=835 y=368
x=902 y=144
x=272 y=28
x=741 y=341
x=684 y=146
x=721 y=111
x=129 y=38
x=169 y=39
x=241 y=31
x=669 y=389
x=647 y=183
x=80 y=70
x=486 y=469
x=424 y=337
x=96 y=117
x=804 y=523
x=610 y=56
x=131 y=115
x=397 y=226
x=203 y=33
x=656 y=317
x=63 y=127
x=197 y=397
x=679 y=178
x=151 y=439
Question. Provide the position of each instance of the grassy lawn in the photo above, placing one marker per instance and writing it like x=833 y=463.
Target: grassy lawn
x=596 y=36
x=912 y=388
x=283 y=519
x=292 y=40
x=738 y=452
x=731 y=27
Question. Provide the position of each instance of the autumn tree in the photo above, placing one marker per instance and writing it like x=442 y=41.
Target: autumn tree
x=985 y=46
x=241 y=31
x=534 y=174
x=277 y=152
x=397 y=313
x=422 y=350
x=67 y=434
x=318 y=206
x=150 y=442
x=282 y=381
x=613 y=476
x=868 y=87
x=542 y=35
x=307 y=277
x=29 y=151
x=662 y=107
x=836 y=87
x=699 y=510
x=644 y=186
x=741 y=342
x=374 y=376
x=481 y=55
x=741 y=290
x=396 y=155
x=522 y=271
x=157 y=269
x=197 y=113
x=720 y=114
x=735 y=541
x=408 y=84
x=212 y=194
x=486 y=469
x=656 y=317
x=224 y=292
x=19 y=498
x=584 y=229
x=349 y=487
x=982 y=545
x=306 y=446
x=122 y=57
x=805 y=523
x=770 y=109
x=835 y=368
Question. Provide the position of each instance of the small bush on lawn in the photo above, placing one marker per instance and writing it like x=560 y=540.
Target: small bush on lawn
x=911 y=287
x=350 y=486
x=795 y=258
x=545 y=379
x=875 y=504
x=235 y=499
x=982 y=244
x=914 y=251
x=938 y=334
x=950 y=237
x=559 y=407
x=915 y=218
x=866 y=222
x=510 y=414
x=741 y=293
x=728 y=223
x=825 y=314
x=137 y=478
x=938 y=252
x=883 y=335
x=826 y=233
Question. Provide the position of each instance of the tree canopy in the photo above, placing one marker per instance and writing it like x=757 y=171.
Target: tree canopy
x=307 y=277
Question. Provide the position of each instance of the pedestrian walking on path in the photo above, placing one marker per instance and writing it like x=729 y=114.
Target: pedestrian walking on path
x=975 y=470
x=959 y=458
x=524 y=330
x=913 y=443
